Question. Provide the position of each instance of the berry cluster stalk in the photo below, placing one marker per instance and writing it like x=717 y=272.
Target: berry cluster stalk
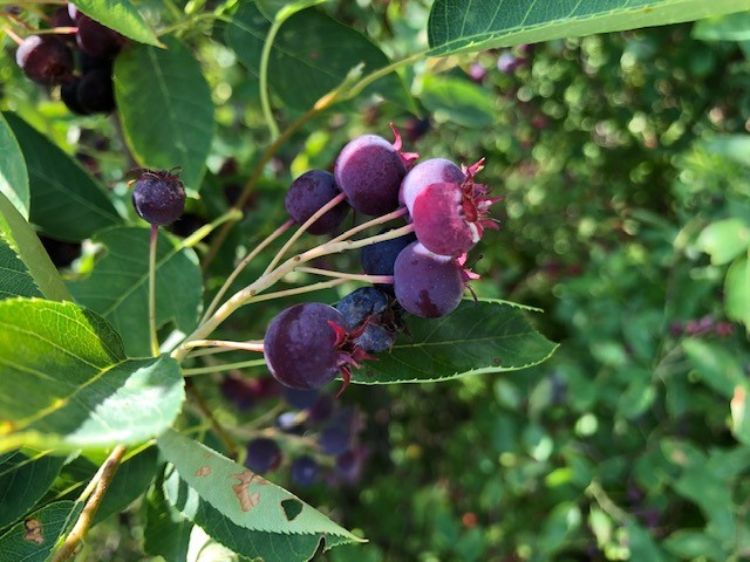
x=153 y=242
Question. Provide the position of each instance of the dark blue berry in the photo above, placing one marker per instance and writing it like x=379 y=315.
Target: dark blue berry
x=304 y=471
x=349 y=465
x=360 y=304
x=97 y=40
x=301 y=399
x=321 y=410
x=308 y=194
x=263 y=455
x=376 y=339
x=335 y=439
x=379 y=259
x=95 y=92
x=159 y=197
x=69 y=96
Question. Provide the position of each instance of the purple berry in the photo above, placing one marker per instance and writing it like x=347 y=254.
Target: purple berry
x=301 y=345
x=89 y=63
x=263 y=455
x=300 y=399
x=97 y=40
x=379 y=259
x=61 y=18
x=427 y=284
x=45 y=59
x=159 y=197
x=361 y=304
x=308 y=194
x=507 y=63
x=349 y=465
x=335 y=439
x=304 y=471
x=369 y=170
x=95 y=92
x=434 y=170
x=321 y=410
x=477 y=72
x=376 y=338
x=69 y=96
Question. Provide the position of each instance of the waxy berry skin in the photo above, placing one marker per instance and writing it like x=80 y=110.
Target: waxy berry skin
x=379 y=258
x=308 y=194
x=300 y=345
x=360 y=304
x=369 y=170
x=159 y=197
x=426 y=284
x=263 y=455
x=45 y=59
x=97 y=40
x=376 y=339
x=434 y=170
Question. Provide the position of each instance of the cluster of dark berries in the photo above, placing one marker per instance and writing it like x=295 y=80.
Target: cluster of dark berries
x=158 y=197
x=308 y=345
x=329 y=447
x=708 y=325
x=82 y=68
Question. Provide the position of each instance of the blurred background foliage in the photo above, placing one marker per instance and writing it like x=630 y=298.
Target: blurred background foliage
x=623 y=163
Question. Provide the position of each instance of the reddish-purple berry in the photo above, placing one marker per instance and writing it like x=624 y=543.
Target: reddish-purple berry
x=308 y=194
x=263 y=455
x=434 y=170
x=427 y=284
x=159 y=197
x=97 y=40
x=369 y=170
x=45 y=59
x=61 y=18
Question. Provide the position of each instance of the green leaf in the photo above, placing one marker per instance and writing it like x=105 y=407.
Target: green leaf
x=724 y=240
x=727 y=28
x=121 y=16
x=740 y=410
x=283 y=8
x=24 y=242
x=15 y=279
x=167 y=531
x=241 y=510
x=689 y=544
x=131 y=481
x=642 y=545
x=66 y=202
x=78 y=388
x=14 y=179
x=733 y=147
x=33 y=539
x=458 y=101
x=488 y=336
x=717 y=367
x=737 y=292
x=118 y=285
x=473 y=25
x=312 y=54
x=166 y=109
x=24 y=479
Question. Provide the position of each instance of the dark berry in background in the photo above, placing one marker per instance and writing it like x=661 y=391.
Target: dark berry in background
x=349 y=465
x=322 y=409
x=88 y=63
x=61 y=253
x=97 y=40
x=69 y=96
x=300 y=399
x=308 y=194
x=304 y=471
x=61 y=18
x=159 y=197
x=45 y=59
x=380 y=258
x=360 y=304
x=95 y=92
x=300 y=345
x=335 y=439
x=369 y=170
x=263 y=455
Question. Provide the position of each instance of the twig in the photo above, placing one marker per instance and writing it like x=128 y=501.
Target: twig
x=226 y=439
x=153 y=242
x=223 y=368
x=375 y=279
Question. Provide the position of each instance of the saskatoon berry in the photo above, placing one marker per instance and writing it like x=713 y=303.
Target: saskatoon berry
x=69 y=96
x=95 y=94
x=159 y=197
x=311 y=191
x=334 y=439
x=244 y=392
x=434 y=170
x=89 y=63
x=300 y=399
x=321 y=410
x=349 y=465
x=61 y=18
x=301 y=345
x=45 y=59
x=304 y=471
x=379 y=259
x=360 y=304
x=376 y=339
x=263 y=455
x=97 y=40
x=369 y=170
x=427 y=284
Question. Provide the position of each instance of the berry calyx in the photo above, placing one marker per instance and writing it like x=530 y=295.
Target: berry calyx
x=434 y=170
x=159 y=197
x=450 y=218
x=263 y=455
x=97 y=40
x=45 y=59
x=308 y=194
x=369 y=171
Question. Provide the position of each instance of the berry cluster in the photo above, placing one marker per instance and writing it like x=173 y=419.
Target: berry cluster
x=308 y=345
x=81 y=67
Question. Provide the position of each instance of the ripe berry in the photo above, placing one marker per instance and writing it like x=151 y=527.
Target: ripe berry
x=311 y=191
x=321 y=410
x=159 y=197
x=335 y=439
x=61 y=18
x=360 y=304
x=369 y=170
x=97 y=40
x=379 y=259
x=304 y=471
x=450 y=218
x=263 y=455
x=427 y=284
x=376 y=338
x=45 y=59
x=95 y=92
x=300 y=399
x=349 y=465
x=305 y=346
x=69 y=96
x=89 y=63
x=434 y=170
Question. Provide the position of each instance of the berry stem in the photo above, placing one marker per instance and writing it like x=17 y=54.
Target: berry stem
x=57 y=31
x=375 y=279
x=229 y=345
x=265 y=56
x=223 y=368
x=373 y=222
x=153 y=243
x=206 y=229
x=299 y=290
x=12 y=34
x=242 y=265
x=302 y=229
